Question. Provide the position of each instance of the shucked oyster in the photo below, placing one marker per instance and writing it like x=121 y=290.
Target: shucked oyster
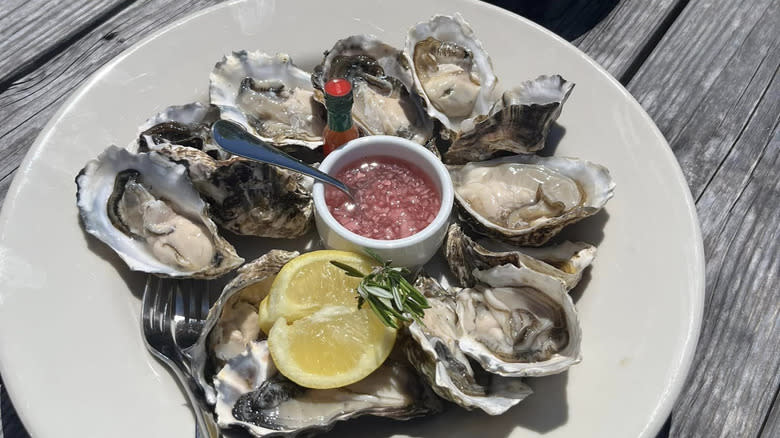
x=253 y=395
x=452 y=71
x=565 y=261
x=144 y=207
x=269 y=96
x=382 y=87
x=519 y=322
x=432 y=348
x=526 y=199
x=519 y=122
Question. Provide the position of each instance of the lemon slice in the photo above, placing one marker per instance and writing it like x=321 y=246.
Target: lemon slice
x=317 y=336
x=308 y=283
x=334 y=347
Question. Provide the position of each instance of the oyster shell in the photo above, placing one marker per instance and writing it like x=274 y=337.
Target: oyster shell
x=432 y=348
x=526 y=199
x=231 y=325
x=251 y=394
x=519 y=322
x=452 y=71
x=248 y=197
x=144 y=207
x=519 y=122
x=565 y=261
x=381 y=87
x=185 y=125
x=269 y=96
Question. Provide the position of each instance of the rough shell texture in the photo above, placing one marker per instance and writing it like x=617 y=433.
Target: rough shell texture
x=433 y=350
x=248 y=197
x=565 y=261
x=384 y=102
x=238 y=293
x=519 y=122
x=454 y=29
x=594 y=182
x=168 y=181
x=532 y=290
x=232 y=76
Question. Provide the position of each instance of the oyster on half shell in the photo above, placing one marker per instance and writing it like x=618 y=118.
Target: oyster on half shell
x=269 y=96
x=565 y=261
x=185 y=125
x=432 y=347
x=452 y=71
x=519 y=122
x=144 y=207
x=382 y=84
x=527 y=199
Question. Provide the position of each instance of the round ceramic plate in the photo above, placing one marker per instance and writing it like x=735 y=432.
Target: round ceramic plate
x=70 y=345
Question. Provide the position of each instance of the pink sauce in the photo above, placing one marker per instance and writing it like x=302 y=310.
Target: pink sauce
x=395 y=198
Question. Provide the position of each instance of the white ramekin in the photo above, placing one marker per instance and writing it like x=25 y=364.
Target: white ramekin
x=412 y=251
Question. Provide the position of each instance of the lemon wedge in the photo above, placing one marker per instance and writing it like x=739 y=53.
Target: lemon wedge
x=317 y=336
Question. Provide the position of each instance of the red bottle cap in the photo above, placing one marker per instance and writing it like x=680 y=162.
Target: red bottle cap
x=338 y=87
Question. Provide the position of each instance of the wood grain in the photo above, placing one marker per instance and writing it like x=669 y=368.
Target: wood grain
x=29 y=29
x=30 y=101
x=711 y=86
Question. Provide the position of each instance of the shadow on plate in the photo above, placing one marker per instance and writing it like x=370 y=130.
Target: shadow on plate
x=569 y=19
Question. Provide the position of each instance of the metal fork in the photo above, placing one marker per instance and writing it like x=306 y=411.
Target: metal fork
x=172 y=316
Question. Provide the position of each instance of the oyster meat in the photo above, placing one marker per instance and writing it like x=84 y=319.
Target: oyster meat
x=269 y=96
x=383 y=102
x=251 y=394
x=432 y=348
x=565 y=261
x=452 y=71
x=526 y=199
x=519 y=122
x=144 y=207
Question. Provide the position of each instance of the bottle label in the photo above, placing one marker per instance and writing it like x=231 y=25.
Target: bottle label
x=338 y=121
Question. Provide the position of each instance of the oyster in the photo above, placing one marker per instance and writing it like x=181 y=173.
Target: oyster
x=248 y=197
x=519 y=122
x=518 y=322
x=382 y=83
x=565 y=261
x=452 y=71
x=186 y=125
x=526 y=199
x=432 y=348
x=251 y=394
x=269 y=96
x=231 y=325
x=144 y=207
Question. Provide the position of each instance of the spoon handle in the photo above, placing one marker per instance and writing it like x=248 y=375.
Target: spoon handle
x=236 y=140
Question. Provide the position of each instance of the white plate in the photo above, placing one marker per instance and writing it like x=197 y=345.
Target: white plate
x=70 y=345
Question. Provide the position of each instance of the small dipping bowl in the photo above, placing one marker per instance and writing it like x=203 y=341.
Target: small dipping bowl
x=412 y=251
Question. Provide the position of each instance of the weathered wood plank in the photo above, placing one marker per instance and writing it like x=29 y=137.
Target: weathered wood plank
x=29 y=102
x=772 y=426
x=712 y=87
x=30 y=29
x=618 y=34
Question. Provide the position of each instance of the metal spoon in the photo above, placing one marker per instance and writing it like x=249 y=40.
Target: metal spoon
x=233 y=138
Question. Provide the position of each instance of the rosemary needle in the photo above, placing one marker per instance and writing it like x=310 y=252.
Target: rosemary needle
x=392 y=298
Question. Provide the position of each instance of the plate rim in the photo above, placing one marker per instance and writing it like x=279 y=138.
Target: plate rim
x=683 y=365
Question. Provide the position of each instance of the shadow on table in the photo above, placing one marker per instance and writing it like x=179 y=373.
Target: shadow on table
x=568 y=18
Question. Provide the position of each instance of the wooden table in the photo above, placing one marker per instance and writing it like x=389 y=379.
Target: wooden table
x=705 y=71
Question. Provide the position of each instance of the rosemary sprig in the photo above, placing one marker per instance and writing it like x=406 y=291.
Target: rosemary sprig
x=392 y=298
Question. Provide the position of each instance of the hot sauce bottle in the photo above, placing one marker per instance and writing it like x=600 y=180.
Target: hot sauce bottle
x=338 y=101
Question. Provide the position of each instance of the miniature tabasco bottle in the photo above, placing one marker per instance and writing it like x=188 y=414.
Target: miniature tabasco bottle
x=338 y=101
